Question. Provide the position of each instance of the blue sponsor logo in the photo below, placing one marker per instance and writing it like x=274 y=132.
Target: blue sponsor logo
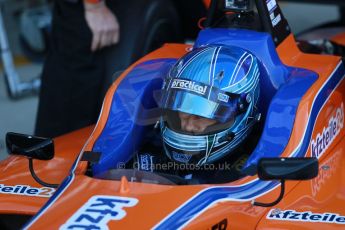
x=292 y=215
x=180 y=157
x=223 y=97
x=323 y=140
x=146 y=162
x=26 y=190
x=98 y=211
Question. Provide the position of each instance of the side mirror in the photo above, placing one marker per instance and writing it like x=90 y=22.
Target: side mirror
x=286 y=169
x=30 y=146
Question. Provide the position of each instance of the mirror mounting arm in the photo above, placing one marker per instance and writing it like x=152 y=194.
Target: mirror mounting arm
x=282 y=191
x=37 y=179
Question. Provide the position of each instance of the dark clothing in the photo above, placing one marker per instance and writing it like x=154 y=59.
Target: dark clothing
x=74 y=79
x=71 y=76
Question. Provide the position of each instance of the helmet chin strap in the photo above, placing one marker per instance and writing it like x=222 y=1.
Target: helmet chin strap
x=211 y=140
x=228 y=137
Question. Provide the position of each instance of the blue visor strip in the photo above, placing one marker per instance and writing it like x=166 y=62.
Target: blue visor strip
x=193 y=104
x=200 y=99
x=201 y=89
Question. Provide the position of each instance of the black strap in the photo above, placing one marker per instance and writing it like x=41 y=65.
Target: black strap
x=92 y=157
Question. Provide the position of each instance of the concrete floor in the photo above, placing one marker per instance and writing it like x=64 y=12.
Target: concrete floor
x=19 y=115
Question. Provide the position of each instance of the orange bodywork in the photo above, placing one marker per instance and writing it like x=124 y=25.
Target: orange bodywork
x=339 y=38
x=15 y=171
x=207 y=3
x=323 y=194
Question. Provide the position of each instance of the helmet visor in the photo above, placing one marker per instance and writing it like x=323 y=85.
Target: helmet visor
x=199 y=99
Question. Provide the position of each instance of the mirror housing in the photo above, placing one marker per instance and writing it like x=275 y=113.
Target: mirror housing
x=283 y=169
x=30 y=146
x=303 y=168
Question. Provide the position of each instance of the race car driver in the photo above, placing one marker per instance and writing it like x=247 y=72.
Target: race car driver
x=209 y=109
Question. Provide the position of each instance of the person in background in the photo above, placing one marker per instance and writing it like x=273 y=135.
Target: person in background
x=83 y=34
x=88 y=47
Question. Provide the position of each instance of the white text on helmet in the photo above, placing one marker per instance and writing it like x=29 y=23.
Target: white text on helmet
x=189 y=85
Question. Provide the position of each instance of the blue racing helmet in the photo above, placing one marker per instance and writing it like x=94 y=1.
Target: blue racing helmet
x=218 y=83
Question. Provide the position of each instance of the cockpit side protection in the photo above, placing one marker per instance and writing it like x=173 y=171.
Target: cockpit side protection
x=133 y=110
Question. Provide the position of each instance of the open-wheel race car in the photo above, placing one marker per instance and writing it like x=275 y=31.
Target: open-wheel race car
x=291 y=177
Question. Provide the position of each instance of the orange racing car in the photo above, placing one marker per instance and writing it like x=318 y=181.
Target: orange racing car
x=291 y=177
